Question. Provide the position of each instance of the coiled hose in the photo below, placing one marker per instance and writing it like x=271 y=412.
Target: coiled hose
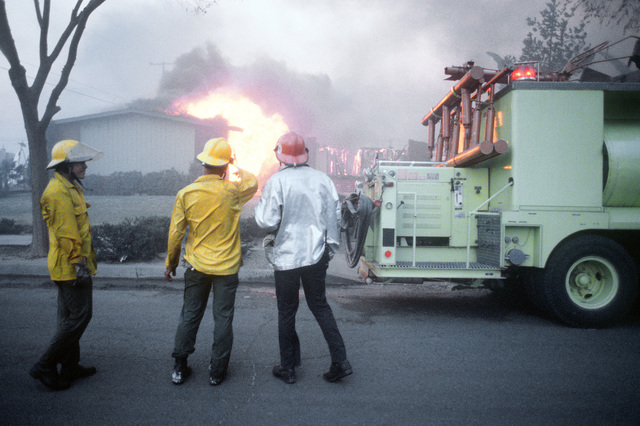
x=356 y=215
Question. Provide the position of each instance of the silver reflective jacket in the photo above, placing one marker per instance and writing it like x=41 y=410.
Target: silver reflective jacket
x=299 y=206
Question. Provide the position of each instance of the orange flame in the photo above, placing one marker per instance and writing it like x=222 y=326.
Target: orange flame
x=253 y=144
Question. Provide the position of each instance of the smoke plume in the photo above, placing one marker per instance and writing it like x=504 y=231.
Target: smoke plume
x=308 y=103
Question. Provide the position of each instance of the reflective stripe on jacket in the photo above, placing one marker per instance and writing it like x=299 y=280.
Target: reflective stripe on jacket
x=301 y=207
x=210 y=208
x=65 y=212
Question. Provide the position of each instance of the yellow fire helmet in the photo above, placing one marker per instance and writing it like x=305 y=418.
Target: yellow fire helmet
x=71 y=151
x=217 y=153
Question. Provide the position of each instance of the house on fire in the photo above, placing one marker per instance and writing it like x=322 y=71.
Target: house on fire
x=144 y=141
x=137 y=140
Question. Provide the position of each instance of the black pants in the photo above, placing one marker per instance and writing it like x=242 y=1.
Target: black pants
x=75 y=308
x=313 y=284
x=196 y=295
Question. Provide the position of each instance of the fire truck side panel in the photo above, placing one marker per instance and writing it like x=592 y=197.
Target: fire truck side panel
x=423 y=220
x=541 y=231
x=546 y=152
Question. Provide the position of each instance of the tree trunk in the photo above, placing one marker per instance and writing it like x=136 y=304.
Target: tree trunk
x=39 y=179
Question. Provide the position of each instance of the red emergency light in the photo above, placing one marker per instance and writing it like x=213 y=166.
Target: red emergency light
x=523 y=72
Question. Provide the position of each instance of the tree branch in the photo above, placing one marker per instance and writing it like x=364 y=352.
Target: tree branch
x=82 y=19
x=36 y=3
x=17 y=73
x=47 y=60
x=7 y=43
x=43 y=20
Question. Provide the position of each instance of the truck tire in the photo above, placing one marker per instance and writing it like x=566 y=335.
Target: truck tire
x=590 y=281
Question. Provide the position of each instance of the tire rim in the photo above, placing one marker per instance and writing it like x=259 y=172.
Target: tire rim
x=592 y=282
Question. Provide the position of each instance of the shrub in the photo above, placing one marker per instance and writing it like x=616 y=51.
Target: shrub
x=166 y=182
x=118 y=183
x=143 y=239
x=249 y=230
x=10 y=227
x=132 y=240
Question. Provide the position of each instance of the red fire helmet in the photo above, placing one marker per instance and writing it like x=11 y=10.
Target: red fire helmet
x=291 y=150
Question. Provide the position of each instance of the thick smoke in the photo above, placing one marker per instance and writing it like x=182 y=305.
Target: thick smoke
x=308 y=103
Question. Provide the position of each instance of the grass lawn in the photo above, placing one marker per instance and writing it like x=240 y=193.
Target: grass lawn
x=104 y=208
x=16 y=207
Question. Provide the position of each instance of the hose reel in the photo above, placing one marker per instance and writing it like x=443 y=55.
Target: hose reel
x=356 y=215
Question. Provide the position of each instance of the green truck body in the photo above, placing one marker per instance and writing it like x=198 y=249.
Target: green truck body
x=555 y=214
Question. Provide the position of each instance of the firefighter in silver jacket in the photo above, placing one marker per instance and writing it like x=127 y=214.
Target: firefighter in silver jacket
x=300 y=209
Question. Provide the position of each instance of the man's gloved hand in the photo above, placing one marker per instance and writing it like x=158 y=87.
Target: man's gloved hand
x=83 y=275
x=268 y=240
x=167 y=274
x=268 y=243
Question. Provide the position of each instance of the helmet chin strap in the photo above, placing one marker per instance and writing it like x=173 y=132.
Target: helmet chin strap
x=76 y=178
x=71 y=175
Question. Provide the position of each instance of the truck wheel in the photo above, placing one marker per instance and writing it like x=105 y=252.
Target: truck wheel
x=590 y=281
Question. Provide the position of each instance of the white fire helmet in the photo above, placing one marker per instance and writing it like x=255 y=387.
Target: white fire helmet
x=71 y=151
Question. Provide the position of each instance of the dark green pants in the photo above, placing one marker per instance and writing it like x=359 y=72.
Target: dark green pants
x=75 y=308
x=196 y=295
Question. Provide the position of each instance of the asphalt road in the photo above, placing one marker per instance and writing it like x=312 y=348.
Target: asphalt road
x=421 y=354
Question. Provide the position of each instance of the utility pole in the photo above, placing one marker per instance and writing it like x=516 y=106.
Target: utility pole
x=162 y=64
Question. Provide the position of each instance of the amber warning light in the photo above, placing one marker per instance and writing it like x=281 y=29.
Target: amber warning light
x=523 y=72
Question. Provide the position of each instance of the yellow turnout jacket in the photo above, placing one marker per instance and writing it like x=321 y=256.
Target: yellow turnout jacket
x=210 y=207
x=65 y=212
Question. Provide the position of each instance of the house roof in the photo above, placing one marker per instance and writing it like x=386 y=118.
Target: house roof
x=133 y=111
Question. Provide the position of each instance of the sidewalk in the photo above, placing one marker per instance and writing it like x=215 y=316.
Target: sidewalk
x=256 y=269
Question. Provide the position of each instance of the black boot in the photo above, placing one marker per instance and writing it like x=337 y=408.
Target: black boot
x=181 y=371
x=49 y=377
x=287 y=375
x=216 y=376
x=337 y=371
x=76 y=372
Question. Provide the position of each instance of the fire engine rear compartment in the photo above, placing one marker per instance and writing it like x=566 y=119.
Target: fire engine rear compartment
x=534 y=188
x=474 y=222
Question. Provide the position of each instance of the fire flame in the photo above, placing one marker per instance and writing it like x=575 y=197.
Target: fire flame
x=253 y=144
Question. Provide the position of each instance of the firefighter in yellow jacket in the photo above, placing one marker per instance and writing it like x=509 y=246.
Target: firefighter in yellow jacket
x=210 y=208
x=71 y=263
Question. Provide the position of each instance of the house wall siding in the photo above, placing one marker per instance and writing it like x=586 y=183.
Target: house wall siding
x=142 y=144
x=137 y=142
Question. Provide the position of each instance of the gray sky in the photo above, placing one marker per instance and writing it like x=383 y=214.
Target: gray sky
x=349 y=72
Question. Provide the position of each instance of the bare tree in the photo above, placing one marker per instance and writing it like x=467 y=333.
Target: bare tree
x=616 y=12
x=29 y=95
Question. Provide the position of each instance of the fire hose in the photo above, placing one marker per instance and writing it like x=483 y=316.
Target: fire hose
x=356 y=215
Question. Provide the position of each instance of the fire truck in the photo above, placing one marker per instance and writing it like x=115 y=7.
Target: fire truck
x=533 y=184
